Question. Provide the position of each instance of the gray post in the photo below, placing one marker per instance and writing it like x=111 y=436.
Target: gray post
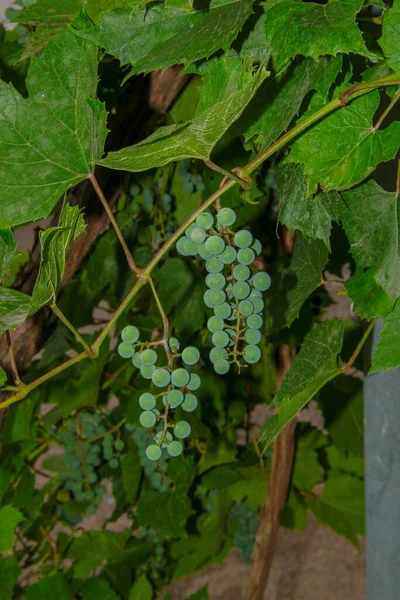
x=382 y=470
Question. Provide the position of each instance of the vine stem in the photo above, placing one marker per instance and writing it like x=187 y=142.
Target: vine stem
x=68 y=324
x=102 y=198
x=387 y=111
x=143 y=275
x=165 y=321
x=14 y=368
x=357 y=351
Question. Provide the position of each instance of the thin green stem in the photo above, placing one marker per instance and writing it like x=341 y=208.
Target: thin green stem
x=358 y=349
x=398 y=178
x=244 y=183
x=14 y=368
x=165 y=321
x=102 y=198
x=387 y=111
x=143 y=276
x=76 y=333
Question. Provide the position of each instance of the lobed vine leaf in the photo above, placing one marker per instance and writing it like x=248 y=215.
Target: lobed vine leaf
x=314 y=29
x=8 y=251
x=369 y=299
x=160 y=35
x=292 y=286
x=194 y=139
x=390 y=40
x=96 y=588
x=94 y=547
x=14 y=308
x=141 y=589
x=336 y=161
x=314 y=366
x=50 y=140
x=55 y=244
x=97 y=8
x=370 y=220
x=387 y=353
x=312 y=215
x=279 y=100
x=49 y=588
x=10 y=517
x=9 y=573
x=3 y=377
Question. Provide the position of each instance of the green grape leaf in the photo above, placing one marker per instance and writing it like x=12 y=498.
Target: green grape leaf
x=387 y=353
x=48 y=18
x=345 y=461
x=306 y=469
x=313 y=367
x=49 y=588
x=251 y=40
x=141 y=589
x=279 y=99
x=9 y=573
x=342 y=405
x=390 y=40
x=131 y=472
x=190 y=316
x=158 y=36
x=96 y=588
x=194 y=139
x=312 y=215
x=293 y=285
x=369 y=299
x=14 y=308
x=9 y=519
x=8 y=251
x=294 y=513
x=40 y=168
x=341 y=505
x=336 y=161
x=175 y=280
x=3 y=377
x=94 y=547
x=97 y=8
x=314 y=29
x=371 y=222
x=55 y=244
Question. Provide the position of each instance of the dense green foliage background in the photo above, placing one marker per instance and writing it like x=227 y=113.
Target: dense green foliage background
x=323 y=76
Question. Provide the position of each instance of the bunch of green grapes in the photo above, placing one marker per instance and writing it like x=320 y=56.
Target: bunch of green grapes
x=155 y=471
x=192 y=182
x=159 y=560
x=234 y=287
x=171 y=387
x=245 y=534
x=82 y=459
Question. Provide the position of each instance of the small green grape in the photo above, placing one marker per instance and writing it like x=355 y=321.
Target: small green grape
x=204 y=253
x=181 y=246
x=215 y=281
x=190 y=355
x=257 y=247
x=226 y=217
x=130 y=334
x=205 y=220
x=153 y=452
x=255 y=293
x=261 y=281
x=214 y=298
x=175 y=448
x=197 y=235
x=125 y=350
x=217 y=353
x=241 y=290
x=246 y=256
x=243 y=239
x=174 y=398
x=147 y=371
x=215 y=324
x=148 y=357
x=215 y=244
x=241 y=272
x=147 y=419
x=92 y=477
x=147 y=401
x=252 y=336
x=214 y=265
x=161 y=377
x=246 y=308
x=113 y=463
x=180 y=377
x=221 y=366
x=220 y=339
x=223 y=311
x=254 y=322
x=228 y=256
x=174 y=344
x=257 y=303
x=136 y=360
x=194 y=382
x=190 y=247
x=166 y=439
x=182 y=430
x=251 y=354
x=119 y=445
x=190 y=403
